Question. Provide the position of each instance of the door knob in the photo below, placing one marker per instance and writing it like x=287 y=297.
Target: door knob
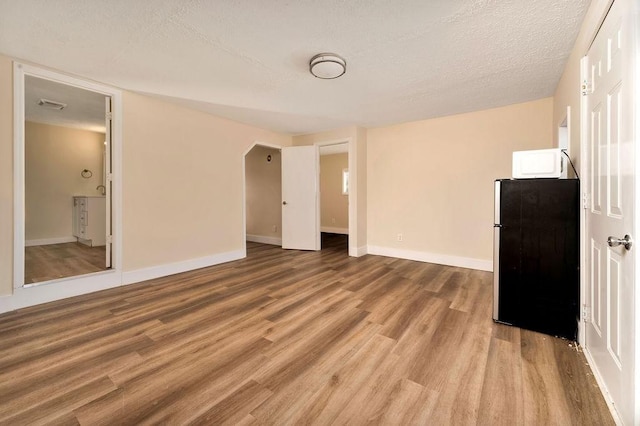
x=615 y=242
x=284 y=203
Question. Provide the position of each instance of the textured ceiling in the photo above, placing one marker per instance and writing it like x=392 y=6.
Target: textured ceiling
x=248 y=60
x=85 y=109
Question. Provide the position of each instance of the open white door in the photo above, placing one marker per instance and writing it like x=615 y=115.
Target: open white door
x=108 y=176
x=608 y=123
x=300 y=192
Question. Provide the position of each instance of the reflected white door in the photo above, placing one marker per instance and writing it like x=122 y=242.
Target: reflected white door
x=108 y=176
x=608 y=109
x=300 y=194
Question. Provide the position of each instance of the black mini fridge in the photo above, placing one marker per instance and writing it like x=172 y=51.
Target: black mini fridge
x=536 y=255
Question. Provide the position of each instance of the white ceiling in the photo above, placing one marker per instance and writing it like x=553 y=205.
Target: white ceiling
x=248 y=60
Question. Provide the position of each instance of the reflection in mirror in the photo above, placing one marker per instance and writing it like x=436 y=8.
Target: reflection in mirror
x=66 y=200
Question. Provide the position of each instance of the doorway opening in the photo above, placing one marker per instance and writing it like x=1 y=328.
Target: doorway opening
x=334 y=196
x=263 y=195
x=282 y=190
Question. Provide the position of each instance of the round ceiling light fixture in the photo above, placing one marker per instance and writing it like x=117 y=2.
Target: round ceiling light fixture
x=327 y=66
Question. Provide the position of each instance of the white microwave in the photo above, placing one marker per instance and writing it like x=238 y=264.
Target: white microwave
x=539 y=163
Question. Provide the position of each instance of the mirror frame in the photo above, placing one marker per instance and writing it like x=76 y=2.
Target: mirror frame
x=93 y=281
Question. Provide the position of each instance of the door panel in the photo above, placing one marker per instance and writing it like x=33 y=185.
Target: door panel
x=596 y=287
x=596 y=165
x=609 y=328
x=300 y=194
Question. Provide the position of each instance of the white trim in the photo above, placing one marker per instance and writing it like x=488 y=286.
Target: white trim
x=159 y=271
x=264 y=239
x=47 y=241
x=441 y=259
x=21 y=70
x=358 y=251
x=332 y=230
x=49 y=291
x=602 y=386
x=18 y=176
x=355 y=190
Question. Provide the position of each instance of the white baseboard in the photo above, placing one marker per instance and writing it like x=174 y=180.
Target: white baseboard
x=144 y=274
x=38 y=293
x=332 y=230
x=47 y=241
x=358 y=251
x=441 y=259
x=602 y=386
x=35 y=294
x=264 y=239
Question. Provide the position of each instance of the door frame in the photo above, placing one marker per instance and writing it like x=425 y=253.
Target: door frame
x=69 y=286
x=352 y=205
x=352 y=189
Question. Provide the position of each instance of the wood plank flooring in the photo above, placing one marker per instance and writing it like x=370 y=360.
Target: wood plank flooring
x=288 y=337
x=54 y=261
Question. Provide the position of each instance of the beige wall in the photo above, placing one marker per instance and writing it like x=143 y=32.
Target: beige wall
x=6 y=175
x=334 y=205
x=182 y=174
x=182 y=182
x=54 y=159
x=263 y=182
x=568 y=90
x=432 y=180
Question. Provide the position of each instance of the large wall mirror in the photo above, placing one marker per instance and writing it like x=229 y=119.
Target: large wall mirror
x=67 y=181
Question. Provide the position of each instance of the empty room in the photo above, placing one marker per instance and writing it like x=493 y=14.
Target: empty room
x=331 y=212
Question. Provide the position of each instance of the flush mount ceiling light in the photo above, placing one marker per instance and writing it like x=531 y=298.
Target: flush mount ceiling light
x=46 y=103
x=327 y=66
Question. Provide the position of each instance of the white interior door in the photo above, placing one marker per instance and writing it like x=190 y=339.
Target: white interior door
x=108 y=177
x=300 y=194
x=608 y=108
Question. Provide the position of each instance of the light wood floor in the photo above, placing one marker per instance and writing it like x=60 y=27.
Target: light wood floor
x=287 y=337
x=54 y=261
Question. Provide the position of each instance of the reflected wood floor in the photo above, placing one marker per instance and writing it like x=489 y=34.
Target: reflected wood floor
x=289 y=337
x=54 y=261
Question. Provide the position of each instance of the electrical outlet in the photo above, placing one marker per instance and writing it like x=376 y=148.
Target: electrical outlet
x=275 y=228
x=333 y=220
x=399 y=237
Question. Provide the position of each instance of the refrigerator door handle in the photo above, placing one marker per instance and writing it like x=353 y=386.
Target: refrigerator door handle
x=496 y=273
x=496 y=251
